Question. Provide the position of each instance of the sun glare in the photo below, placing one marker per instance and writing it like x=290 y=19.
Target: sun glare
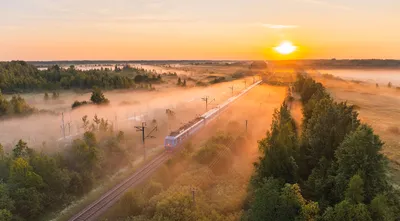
x=285 y=48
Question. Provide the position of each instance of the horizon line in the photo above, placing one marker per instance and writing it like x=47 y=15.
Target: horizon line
x=141 y=60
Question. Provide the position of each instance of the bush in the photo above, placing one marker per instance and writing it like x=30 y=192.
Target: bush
x=218 y=80
x=201 y=84
x=16 y=106
x=79 y=103
x=98 y=97
x=153 y=188
x=331 y=77
x=131 y=204
x=238 y=75
x=208 y=153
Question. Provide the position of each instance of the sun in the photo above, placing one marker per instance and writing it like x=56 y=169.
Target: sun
x=285 y=47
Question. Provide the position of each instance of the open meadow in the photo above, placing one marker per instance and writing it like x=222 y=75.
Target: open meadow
x=377 y=106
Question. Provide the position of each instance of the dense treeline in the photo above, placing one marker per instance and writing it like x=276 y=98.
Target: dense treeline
x=33 y=183
x=19 y=76
x=121 y=62
x=16 y=106
x=330 y=170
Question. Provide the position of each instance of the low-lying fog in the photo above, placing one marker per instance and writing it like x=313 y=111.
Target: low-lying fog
x=373 y=76
x=159 y=69
x=126 y=110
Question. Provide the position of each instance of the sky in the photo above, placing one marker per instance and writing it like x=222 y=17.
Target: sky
x=206 y=29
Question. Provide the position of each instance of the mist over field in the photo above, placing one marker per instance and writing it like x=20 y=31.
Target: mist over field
x=126 y=110
x=91 y=137
x=380 y=76
x=245 y=110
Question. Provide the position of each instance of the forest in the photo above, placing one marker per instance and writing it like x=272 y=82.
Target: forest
x=34 y=183
x=330 y=169
x=19 y=76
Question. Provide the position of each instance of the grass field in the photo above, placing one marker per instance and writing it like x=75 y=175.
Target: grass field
x=378 y=107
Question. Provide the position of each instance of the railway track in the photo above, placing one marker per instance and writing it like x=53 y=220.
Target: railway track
x=95 y=209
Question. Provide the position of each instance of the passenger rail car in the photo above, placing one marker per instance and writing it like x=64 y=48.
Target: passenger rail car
x=177 y=137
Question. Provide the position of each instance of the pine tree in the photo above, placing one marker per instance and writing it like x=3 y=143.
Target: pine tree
x=355 y=190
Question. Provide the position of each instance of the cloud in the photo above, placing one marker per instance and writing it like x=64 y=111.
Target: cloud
x=276 y=26
x=325 y=3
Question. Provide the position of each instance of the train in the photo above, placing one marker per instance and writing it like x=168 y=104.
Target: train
x=175 y=138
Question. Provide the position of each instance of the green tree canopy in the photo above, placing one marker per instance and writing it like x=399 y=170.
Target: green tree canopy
x=346 y=211
x=382 y=209
x=274 y=202
x=6 y=202
x=279 y=149
x=28 y=203
x=360 y=154
x=98 y=97
x=355 y=190
x=5 y=215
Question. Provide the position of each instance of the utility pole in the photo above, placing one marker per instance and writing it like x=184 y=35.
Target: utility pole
x=245 y=84
x=193 y=196
x=246 y=126
x=69 y=125
x=63 y=126
x=142 y=129
x=231 y=89
x=206 y=99
x=116 y=122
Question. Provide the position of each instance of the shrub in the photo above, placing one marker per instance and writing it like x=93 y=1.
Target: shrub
x=218 y=80
x=98 y=97
x=78 y=104
x=237 y=75
x=202 y=84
